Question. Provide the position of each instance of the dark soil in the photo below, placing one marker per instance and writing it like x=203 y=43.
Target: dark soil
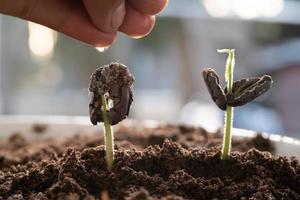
x=147 y=166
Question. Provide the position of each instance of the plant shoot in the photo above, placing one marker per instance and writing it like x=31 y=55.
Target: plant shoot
x=235 y=94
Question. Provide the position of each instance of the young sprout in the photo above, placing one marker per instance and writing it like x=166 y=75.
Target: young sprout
x=235 y=94
x=110 y=84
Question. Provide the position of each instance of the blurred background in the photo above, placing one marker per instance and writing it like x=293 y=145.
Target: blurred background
x=46 y=73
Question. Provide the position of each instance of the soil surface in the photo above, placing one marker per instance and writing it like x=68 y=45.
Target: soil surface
x=168 y=162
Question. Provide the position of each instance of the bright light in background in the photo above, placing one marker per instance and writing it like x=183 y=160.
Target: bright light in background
x=207 y=116
x=217 y=8
x=246 y=9
x=272 y=8
x=41 y=40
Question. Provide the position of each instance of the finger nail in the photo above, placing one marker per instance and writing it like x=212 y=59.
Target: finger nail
x=137 y=36
x=118 y=16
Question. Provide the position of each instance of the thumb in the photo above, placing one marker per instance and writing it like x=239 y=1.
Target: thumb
x=107 y=15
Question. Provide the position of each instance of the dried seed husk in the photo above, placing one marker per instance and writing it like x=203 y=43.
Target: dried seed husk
x=95 y=108
x=115 y=81
x=121 y=107
x=243 y=91
x=246 y=90
x=216 y=92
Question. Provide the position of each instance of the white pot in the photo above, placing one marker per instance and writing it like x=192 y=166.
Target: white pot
x=71 y=125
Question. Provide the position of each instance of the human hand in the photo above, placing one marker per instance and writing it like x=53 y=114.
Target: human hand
x=95 y=22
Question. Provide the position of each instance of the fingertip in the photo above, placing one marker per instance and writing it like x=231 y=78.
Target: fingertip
x=102 y=42
x=136 y=24
x=146 y=31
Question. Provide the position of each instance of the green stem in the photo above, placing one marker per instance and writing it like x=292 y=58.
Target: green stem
x=229 y=110
x=227 y=136
x=109 y=135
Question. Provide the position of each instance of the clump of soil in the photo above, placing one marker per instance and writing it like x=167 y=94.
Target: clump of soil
x=39 y=128
x=146 y=167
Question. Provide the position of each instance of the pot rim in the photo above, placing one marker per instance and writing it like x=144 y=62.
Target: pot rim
x=10 y=124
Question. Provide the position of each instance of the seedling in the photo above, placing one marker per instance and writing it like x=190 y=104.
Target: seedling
x=235 y=94
x=111 y=93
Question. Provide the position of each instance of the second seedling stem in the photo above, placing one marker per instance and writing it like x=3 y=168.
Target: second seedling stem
x=229 y=110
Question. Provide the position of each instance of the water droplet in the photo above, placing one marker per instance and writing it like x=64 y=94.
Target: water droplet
x=102 y=49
